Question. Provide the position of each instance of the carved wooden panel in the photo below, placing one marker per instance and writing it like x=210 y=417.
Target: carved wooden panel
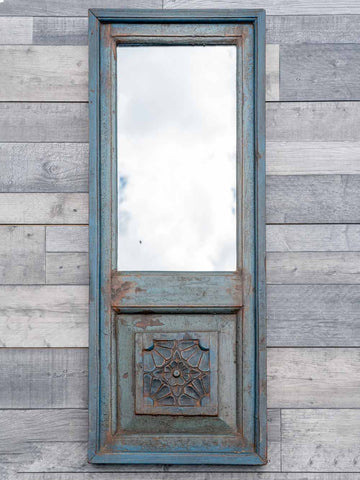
x=176 y=373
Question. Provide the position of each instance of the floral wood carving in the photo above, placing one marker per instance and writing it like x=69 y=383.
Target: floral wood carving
x=176 y=373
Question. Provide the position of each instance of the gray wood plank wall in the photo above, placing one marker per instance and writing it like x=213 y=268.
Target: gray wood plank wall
x=313 y=242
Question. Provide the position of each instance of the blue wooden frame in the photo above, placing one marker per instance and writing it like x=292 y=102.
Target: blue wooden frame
x=102 y=358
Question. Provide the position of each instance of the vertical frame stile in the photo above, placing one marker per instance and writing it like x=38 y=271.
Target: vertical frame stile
x=260 y=234
x=94 y=234
x=105 y=442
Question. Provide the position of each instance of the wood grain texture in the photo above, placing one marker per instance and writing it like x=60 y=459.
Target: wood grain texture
x=60 y=31
x=320 y=72
x=16 y=30
x=56 y=73
x=39 y=167
x=279 y=238
x=184 y=476
x=274 y=7
x=68 y=8
x=60 y=73
x=43 y=378
x=313 y=267
x=68 y=239
x=69 y=425
x=272 y=73
x=313 y=238
x=64 y=456
x=313 y=121
x=313 y=199
x=295 y=29
x=56 y=316
x=43 y=122
x=34 y=208
x=312 y=158
x=44 y=316
x=67 y=268
x=22 y=257
x=313 y=315
x=286 y=122
x=314 y=377
x=320 y=440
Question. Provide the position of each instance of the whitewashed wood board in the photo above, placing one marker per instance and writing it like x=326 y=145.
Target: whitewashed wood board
x=313 y=315
x=67 y=268
x=321 y=440
x=68 y=8
x=312 y=158
x=22 y=256
x=44 y=316
x=68 y=238
x=43 y=122
x=296 y=29
x=44 y=167
x=43 y=208
x=313 y=377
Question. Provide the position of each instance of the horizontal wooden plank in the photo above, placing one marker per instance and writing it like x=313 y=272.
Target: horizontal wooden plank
x=43 y=378
x=313 y=315
x=67 y=239
x=274 y=7
x=313 y=377
x=60 y=73
x=43 y=122
x=272 y=73
x=60 y=31
x=320 y=440
x=293 y=29
x=71 y=456
x=184 y=476
x=320 y=72
x=67 y=268
x=22 y=255
x=56 y=73
x=286 y=122
x=16 y=426
x=312 y=158
x=34 y=208
x=169 y=290
x=313 y=121
x=69 y=8
x=16 y=30
x=313 y=238
x=313 y=268
x=313 y=199
x=279 y=238
x=44 y=316
x=44 y=167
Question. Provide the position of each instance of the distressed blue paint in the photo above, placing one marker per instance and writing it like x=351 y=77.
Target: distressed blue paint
x=106 y=443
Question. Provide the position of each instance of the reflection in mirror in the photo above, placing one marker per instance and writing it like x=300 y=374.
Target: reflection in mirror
x=176 y=121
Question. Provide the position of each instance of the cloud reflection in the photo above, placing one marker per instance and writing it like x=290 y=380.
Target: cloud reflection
x=176 y=158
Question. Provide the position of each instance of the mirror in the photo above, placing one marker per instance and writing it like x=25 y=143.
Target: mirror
x=176 y=147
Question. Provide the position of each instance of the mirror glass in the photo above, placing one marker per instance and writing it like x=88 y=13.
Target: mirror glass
x=176 y=133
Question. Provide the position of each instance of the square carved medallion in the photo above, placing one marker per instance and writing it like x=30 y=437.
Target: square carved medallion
x=176 y=373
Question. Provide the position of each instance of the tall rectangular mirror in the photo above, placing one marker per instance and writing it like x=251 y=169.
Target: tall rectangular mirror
x=177 y=237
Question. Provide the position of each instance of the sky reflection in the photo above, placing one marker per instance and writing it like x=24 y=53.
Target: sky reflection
x=176 y=158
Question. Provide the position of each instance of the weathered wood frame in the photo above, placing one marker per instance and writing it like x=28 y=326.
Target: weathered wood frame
x=103 y=248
